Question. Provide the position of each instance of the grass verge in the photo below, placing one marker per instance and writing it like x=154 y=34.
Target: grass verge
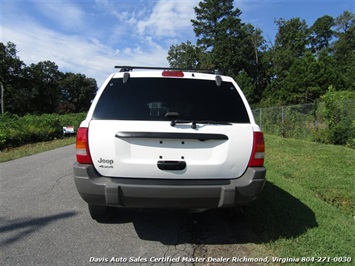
x=30 y=149
x=307 y=206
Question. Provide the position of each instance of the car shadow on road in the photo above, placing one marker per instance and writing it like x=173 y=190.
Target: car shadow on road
x=14 y=230
x=275 y=214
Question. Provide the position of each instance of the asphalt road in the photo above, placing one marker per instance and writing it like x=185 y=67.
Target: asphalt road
x=43 y=221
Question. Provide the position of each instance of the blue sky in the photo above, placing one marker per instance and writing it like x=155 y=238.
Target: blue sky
x=91 y=36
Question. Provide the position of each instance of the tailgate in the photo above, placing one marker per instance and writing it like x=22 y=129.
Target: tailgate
x=154 y=149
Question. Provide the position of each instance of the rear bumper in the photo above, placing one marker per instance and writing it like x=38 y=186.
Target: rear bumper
x=155 y=193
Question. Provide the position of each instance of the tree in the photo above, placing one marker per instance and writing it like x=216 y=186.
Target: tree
x=76 y=93
x=10 y=70
x=321 y=33
x=40 y=88
x=185 y=55
x=252 y=45
x=247 y=86
x=43 y=82
x=290 y=45
x=214 y=20
x=219 y=31
x=309 y=78
x=345 y=21
x=344 y=51
x=298 y=67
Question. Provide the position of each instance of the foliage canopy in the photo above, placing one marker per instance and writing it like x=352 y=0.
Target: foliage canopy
x=298 y=66
x=41 y=88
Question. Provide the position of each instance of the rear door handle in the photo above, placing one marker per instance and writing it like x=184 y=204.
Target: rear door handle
x=171 y=165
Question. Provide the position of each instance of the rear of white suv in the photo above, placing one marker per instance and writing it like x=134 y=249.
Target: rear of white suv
x=168 y=139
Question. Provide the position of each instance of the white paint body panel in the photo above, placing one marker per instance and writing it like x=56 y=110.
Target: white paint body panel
x=138 y=157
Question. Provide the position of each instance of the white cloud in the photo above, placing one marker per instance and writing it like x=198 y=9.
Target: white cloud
x=165 y=22
x=65 y=14
x=168 y=18
x=125 y=12
x=78 y=54
x=109 y=37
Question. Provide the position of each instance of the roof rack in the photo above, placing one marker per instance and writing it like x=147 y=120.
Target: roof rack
x=130 y=68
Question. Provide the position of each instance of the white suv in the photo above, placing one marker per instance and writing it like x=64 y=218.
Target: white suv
x=168 y=138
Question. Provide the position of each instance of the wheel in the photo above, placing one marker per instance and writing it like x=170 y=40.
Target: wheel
x=101 y=213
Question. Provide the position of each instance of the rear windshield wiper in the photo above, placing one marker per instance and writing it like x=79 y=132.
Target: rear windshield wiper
x=194 y=122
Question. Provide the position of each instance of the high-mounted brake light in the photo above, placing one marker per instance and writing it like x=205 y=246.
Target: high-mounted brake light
x=172 y=73
x=257 y=155
x=82 y=146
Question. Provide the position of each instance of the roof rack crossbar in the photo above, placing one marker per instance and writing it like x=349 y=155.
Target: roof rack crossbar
x=130 y=68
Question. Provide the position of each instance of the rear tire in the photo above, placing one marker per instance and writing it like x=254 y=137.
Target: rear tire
x=101 y=213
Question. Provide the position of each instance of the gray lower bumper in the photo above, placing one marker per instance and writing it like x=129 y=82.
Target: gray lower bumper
x=154 y=193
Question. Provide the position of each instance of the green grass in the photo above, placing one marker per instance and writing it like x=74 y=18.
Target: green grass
x=30 y=149
x=307 y=206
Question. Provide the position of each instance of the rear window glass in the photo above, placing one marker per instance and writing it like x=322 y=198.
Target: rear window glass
x=152 y=98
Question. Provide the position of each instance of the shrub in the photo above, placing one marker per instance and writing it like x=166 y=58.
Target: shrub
x=16 y=131
x=339 y=117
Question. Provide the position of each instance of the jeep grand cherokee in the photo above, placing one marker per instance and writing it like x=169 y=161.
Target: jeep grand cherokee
x=168 y=138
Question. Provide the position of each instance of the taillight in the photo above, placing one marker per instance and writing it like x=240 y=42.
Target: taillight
x=257 y=155
x=82 y=146
x=172 y=73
